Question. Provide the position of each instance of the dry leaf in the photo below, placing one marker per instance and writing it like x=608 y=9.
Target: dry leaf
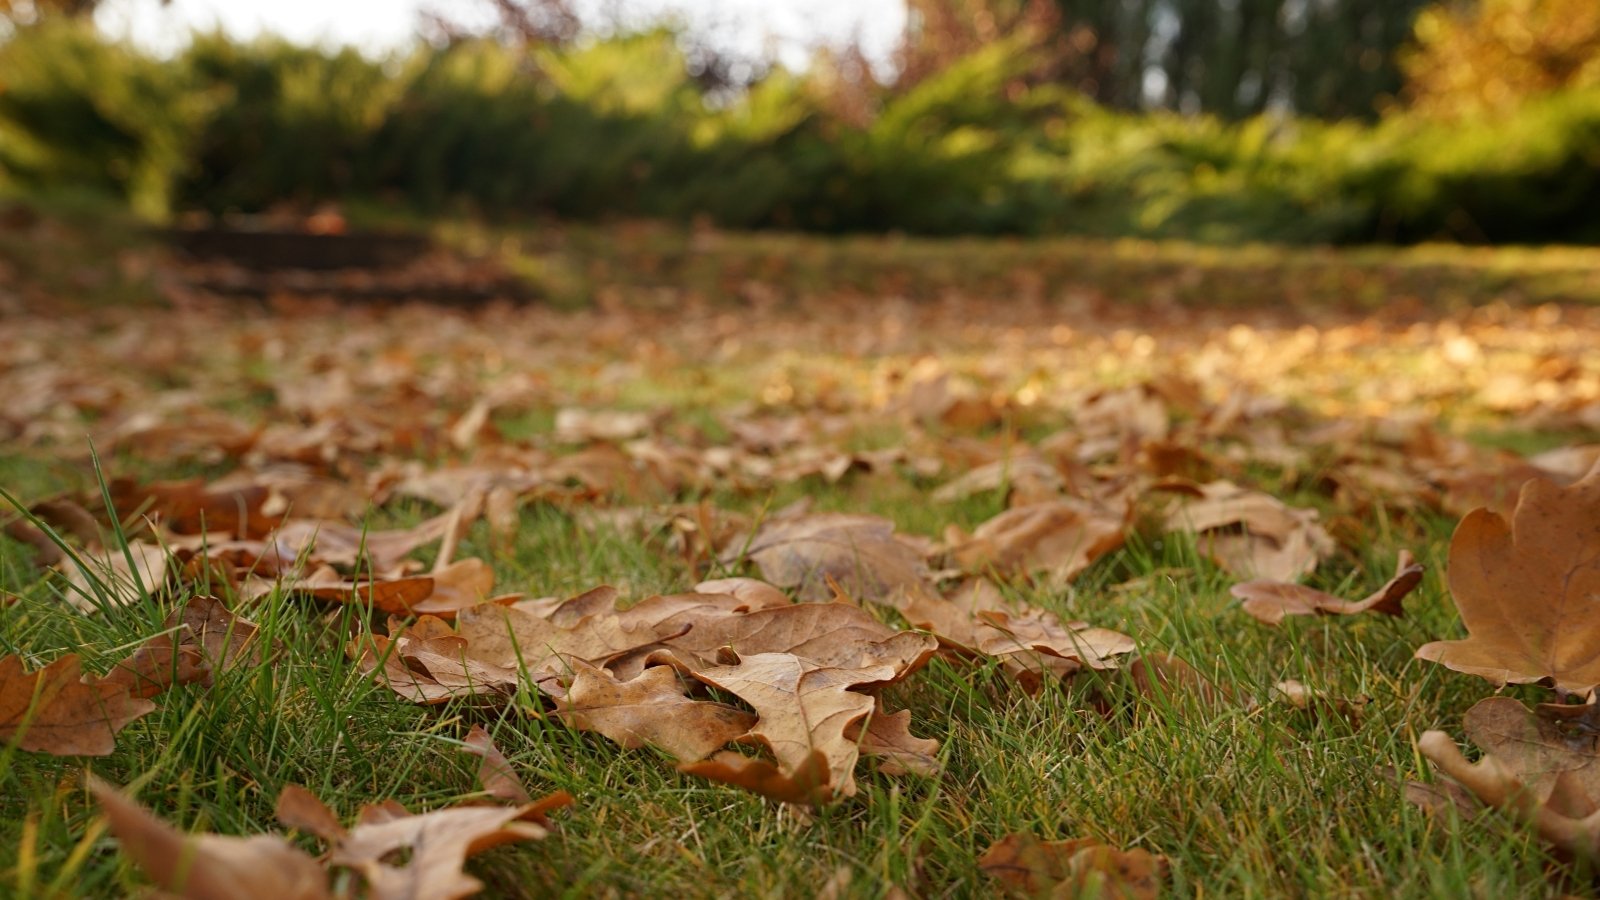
x=802 y=710
x=438 y=842
x=586 y=627
x=298 y=808
x=1164 y=675
x=209 y=639
x=888 y=737
x=377 y=552
x=1435 y=798
x=804 y=784
x=1526 y=590
x=1034 y=631
x=58 y=710
x=1084 y=867
x=582 y=425
x=652 y=708
x=1555 y=758
x=125 y=574
x=429 y=663
x=1271 y=601
x=1494 y=783
x=1060 y=538
x=836 y=635
x=210 y=866
x=858 y=553
x=1027 y=479
x=193 y=507
x=1252 y=534
x=1310 y=700
x=495 y=772
x=434 y=845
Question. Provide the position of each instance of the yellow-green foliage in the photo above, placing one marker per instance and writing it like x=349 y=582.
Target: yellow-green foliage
x=618 y=128
x=1494 y=55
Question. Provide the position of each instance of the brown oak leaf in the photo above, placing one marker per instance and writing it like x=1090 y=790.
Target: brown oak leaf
x=1526 y=590
x=802 y=709
x=1251 y=533
x=1058 y=538
x=1084 y=867
x=499 y=780
x=1495 y=783
x=859 y=553
x=435 y=845
x=1557 y=759
x=60 y=711
x=888 y=737
x=651 y=708
x=1036 y=641
x=538 y=635
x=208 y=639
x=1271 y=601
x=439 y=843
x=210 y=866
x=428 y=662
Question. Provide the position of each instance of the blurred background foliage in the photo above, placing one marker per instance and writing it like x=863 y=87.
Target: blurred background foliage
x=1210 y=120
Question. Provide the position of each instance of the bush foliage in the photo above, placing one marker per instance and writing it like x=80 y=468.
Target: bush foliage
x=618 y=127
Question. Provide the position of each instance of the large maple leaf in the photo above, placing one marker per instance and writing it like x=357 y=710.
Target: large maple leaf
x=1528 y=590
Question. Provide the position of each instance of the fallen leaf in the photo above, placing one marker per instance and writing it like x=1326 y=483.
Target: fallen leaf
x=806 y=783
x=651 y=708
x=802 y=710
x=395 y=596
x=379 y=552
x=438 y=844
x=210 y=866
x=858 y=553
x=1166 y=676
x=827 y=635
x=1250 y=533
x=495 y=772
x=1493 y=782
x=1525 y=590
x=209 y=639
x=115 y=575
x=58 y=710
x=1271 y=601
x=193 y=507
x=1059 y=538
x=1310 y=700
x=582 y=425
x=888 y=737
x=298 y=808
x=427 y=662
x=1556 y=759
x=1438 y=797
x=586 y=627
x=1026 y=478
x=1035 y=631
x=1084 y=867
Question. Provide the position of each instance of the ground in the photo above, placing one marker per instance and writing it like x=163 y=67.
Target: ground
x=661 y=394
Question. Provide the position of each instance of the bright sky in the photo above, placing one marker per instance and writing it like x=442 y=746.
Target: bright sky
x=790 y=27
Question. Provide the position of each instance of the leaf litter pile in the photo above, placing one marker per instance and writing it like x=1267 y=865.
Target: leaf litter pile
x=910 y=599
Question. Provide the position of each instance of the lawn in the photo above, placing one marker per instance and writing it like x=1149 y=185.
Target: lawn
x=672 y=398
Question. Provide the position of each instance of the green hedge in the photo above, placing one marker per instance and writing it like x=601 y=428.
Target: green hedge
x=618 y=128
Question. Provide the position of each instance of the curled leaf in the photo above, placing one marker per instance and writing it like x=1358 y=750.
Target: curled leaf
x=1272 y=601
